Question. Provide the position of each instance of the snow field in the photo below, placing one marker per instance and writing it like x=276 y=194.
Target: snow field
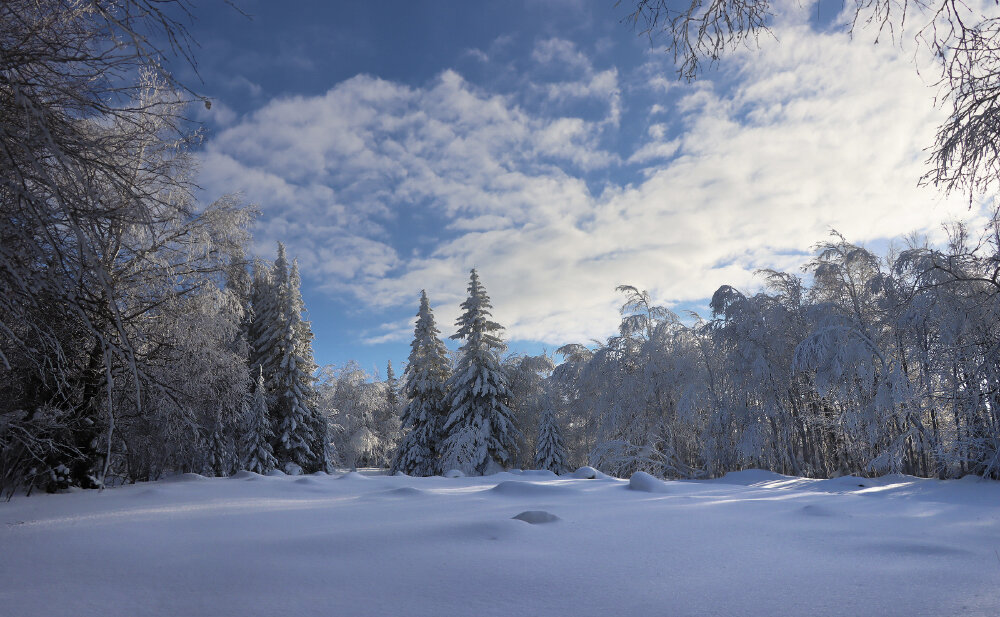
x=519 y=543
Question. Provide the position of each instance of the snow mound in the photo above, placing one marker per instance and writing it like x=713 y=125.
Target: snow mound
x=454 y=473
x=589 y=473
x=536 y=517
x=319 y=473
x=517 y=488
x=353 y=475
x=184 y=477
x=307 y=481
x=642 y=481
x=276 y=472
x=400 y=474
x=292 y=469
x=245 y=475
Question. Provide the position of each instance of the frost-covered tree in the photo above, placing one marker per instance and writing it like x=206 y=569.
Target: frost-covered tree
x=481 y=435
x=258 y=455
x=363 y=426
x=425 y=389
x=282 y=350
x=550 y=453
x=529 y=398
x=98 y=231
x=291 y=381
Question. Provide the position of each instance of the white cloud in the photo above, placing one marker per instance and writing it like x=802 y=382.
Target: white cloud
x=816 y=132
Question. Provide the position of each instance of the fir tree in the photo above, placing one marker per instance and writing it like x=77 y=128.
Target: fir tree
x=321 y=447
x=258 y=456
x=282 y=349
x=220 y=451
x=392 y=387
x=480 y=432
x=262 y=329
x=550 y=453
x=425 y=388
x=292 y=381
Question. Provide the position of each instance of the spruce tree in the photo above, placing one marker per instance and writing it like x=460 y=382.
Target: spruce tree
x=292 y=381
x=258 y=456
x=262 y=330
x=322 y=449
x=480 y=432
x=282 y=350
x=424 y=386
x=550 y=453
x=220 y=451
x=391 y=387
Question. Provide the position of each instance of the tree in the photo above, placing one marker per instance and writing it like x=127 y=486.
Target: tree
x=391 y=387
x=963 y=41
x=291 y=381
x=549 y=450
x=425 y=389
x=480 y=432
x=91 y=151
x=363 y=425
x=282 y=351
x=529 y=398
x=258 y=456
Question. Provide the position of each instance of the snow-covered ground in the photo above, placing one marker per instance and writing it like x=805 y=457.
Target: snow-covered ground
x=512 y=544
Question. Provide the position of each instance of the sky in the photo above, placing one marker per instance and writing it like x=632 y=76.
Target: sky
x=393 y=146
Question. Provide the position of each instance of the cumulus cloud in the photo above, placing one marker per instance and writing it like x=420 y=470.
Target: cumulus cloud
x=745 y=172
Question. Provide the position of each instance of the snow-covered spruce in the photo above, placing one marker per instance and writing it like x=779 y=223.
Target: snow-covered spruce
x=550 y=453
x=282 y=348
x=480 y=432
x=258 y=456
x=424 y=386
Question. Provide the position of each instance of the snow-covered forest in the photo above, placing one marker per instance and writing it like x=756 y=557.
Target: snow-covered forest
x=138 y=338
x=825 y=441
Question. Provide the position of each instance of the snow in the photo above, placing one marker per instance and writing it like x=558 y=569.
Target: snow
x=589 y=473
x=536 y=517
x=642 y=481
x=753 y=544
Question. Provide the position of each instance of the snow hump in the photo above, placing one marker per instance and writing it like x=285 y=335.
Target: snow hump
x=642 y=481
x=536 y=517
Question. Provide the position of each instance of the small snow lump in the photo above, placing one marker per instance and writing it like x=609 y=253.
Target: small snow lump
x=536 y=517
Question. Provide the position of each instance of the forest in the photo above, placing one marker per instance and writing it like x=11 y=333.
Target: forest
x=139 y=337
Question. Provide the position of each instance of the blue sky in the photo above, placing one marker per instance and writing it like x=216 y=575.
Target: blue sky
x=395 y=145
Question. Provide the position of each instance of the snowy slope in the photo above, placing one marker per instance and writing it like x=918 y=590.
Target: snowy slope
x=753 y=543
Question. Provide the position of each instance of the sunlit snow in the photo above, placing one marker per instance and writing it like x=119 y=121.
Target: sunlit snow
x=520 y=543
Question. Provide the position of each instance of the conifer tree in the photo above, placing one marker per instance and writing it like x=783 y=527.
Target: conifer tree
x=480 y=432
x=282 y=349
x=258 y=456
x=392 y=387
x=261 y=332
x=424 y=387
x=550 y=453
x=291 y=381
x=220 y=451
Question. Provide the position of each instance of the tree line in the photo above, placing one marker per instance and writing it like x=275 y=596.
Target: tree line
x=137 y=338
